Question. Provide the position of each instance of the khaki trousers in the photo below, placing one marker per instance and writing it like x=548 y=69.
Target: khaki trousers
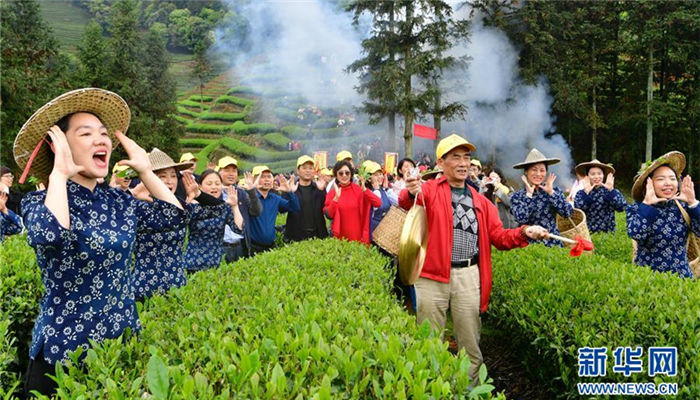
x=462 y=296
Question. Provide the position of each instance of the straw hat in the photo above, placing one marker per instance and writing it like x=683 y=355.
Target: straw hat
x=535 y=157
x=607 y=168
x=674 y=159
x=450 y=143
x=109 y=107
x=160 y=160
x=431 y=174
x=413 y=244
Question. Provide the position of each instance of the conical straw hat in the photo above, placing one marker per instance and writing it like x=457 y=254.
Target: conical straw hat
x=535 y=157
x=109 y=107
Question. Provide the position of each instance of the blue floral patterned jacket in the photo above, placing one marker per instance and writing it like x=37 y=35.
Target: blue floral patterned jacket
x=205 y=241
x=662 y=234
x=600 y=206
x=541 y=210
x=86 y=270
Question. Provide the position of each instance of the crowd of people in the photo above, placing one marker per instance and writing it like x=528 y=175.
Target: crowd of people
x=103 y=246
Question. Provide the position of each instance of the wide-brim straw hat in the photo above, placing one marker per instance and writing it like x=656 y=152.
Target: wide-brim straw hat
x=109 y=107
x=583 y=167
x=432 y=174
x=674 y=159
x=160 y=160
x=535 y=157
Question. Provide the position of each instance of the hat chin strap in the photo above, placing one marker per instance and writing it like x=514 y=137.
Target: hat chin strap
x=33 y=156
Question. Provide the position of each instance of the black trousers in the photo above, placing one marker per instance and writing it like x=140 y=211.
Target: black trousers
x=37 y=379
x=259 y=248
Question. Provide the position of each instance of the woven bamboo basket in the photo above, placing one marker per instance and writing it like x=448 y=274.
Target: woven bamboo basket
x=574 y=225
x=388 y=233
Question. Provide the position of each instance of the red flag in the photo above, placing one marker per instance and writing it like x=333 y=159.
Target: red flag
x=424 y=131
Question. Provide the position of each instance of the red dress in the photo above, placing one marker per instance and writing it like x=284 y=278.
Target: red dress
x=350 y=213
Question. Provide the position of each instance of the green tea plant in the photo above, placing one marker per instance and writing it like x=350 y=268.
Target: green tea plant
x=277 y=140
x=186 y=111
x=219 y=116
x=238 y=147
x=552 y=304
x=20 y=292
x=314 y=319
x=200 y=98
x=239 y=101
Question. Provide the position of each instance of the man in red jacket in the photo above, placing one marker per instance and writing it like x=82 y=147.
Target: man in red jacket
x=462 y=226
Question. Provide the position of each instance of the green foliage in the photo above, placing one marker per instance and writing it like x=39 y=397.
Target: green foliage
x=220 y=116
x=20 y=292
x=239 y=101
x=552 y=304
x=193 y=104
x=277 y=140
x=242 y=128
x=200 y=98
x=242 y=149
x=33 y=72
x=209 y=128
x=180 y=119
x=242 y=90
x=196 y=142
x=187 y=111
x=261 y=329
x=286 y=114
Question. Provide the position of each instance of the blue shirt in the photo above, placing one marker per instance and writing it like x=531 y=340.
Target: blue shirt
x=600 y=206
x=10 y=224
x=662 y=234
x=541 y=210
x=205 y=241
x=262 y=227
x=158 y=261
x=86 y=270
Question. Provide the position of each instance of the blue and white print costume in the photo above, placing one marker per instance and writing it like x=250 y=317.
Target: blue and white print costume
x=541 y=210
x=158 y=260
x=205 y=241
x=86 y=270
x=10 y=224
x=661 y=234
x=600 y=206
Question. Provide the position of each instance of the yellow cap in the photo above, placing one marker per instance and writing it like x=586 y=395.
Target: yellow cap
x=241 y=182
x=188 y=157
x=259 y=169
x=225 y=162
x=452 y=142
x=326 y=172
x=372 y=167
x=343 y=155
x=119 y=168
x=304 y=159
x=476 y=162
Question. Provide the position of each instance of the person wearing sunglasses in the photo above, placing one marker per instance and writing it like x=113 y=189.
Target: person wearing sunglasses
x=348 y=205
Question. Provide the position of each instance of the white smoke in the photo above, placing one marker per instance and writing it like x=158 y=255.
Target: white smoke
x=505 y=117
x=300 y=46
x=305 y=46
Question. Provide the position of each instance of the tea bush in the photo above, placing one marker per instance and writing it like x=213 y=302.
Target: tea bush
x=315 y=319
x=240 y=148
x=188 y=112
x=242 y=128
x=552 y=304
x=20 y=292
x=277 y=140
x=200 y=98
x=286 y=114
x=198 y=127
x=193 y=104
x=239 y=101
x=241 y=90
x=220 y=116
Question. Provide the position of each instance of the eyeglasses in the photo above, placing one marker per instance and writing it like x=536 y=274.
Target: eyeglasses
x=344 y=173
